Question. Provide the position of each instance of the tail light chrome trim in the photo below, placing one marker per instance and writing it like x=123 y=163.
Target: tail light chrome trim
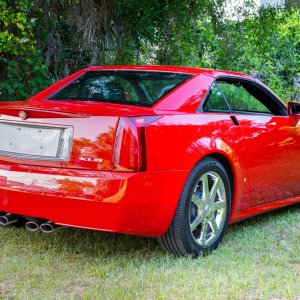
x=130 y=143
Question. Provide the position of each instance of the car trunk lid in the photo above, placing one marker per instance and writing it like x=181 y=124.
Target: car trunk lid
x=32 y=135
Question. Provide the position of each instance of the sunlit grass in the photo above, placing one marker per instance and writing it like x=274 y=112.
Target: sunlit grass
x=259 y=259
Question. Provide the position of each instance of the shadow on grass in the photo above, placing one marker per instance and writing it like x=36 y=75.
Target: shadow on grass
x=93 y=244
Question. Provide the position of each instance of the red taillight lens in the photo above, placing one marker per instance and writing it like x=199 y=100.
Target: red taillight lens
x=130 y=144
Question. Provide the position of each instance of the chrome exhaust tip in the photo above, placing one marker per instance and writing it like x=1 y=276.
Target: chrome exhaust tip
x=32 y=226
x=8 y=219
x=48 y=227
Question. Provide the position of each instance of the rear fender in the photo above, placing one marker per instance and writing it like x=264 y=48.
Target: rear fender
x=228 y=157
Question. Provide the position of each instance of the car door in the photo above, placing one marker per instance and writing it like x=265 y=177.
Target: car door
x=226 y=129
x=272 y=141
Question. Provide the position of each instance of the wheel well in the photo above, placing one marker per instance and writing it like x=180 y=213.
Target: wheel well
x=227 y=166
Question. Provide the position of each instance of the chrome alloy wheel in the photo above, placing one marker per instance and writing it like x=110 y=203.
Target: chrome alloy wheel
x=208 y=209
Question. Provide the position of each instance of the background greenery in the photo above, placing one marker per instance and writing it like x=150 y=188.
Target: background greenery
x=43 y=41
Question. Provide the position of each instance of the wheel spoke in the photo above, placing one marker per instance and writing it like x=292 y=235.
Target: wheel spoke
x=219 y=205
x=208 y=208
x=197 y=201
x=203 y=233
x=214 y=189
x=205 y=188
x=197 y=222
x=214 y=226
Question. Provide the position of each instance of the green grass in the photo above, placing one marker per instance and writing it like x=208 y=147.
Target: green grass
x=258 y=259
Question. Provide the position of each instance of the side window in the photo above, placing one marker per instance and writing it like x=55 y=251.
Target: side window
x=215 y=101
x=244 y=97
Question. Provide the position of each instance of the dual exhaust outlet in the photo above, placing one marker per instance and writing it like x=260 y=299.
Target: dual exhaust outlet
x=45 y=227
x=32 y=226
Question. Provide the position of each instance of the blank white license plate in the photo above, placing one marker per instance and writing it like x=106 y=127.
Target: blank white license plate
x=29 y=140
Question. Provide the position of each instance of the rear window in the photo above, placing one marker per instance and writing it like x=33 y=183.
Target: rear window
x=125 y=87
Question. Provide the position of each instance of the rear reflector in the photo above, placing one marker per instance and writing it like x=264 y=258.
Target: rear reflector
x=130 y=144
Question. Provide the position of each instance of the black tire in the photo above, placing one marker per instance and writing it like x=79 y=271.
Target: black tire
x=182 y=238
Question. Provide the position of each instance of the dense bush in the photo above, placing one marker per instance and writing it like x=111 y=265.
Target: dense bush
x=22 y=68
x=267 y=44
x=43 y=41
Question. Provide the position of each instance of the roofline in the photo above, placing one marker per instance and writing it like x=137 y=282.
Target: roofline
x=174 y=69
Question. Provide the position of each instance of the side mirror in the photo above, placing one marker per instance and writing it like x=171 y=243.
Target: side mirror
x=293 y=110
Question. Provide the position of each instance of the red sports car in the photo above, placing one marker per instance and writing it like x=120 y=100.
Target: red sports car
x=170 y=152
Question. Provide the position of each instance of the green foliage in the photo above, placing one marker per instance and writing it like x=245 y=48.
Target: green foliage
x=22 y=69
x=196 y=33
x=164 y=32
x=77 y=33
x=267 y=44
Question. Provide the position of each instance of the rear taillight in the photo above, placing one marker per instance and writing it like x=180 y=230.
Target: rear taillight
x=130 y=144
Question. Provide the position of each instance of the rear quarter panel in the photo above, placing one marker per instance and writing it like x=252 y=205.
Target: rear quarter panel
x=179 y=142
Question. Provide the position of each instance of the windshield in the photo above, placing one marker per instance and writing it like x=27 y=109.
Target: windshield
x=126 y=87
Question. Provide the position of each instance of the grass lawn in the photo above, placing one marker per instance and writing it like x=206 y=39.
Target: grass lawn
x=258 y=259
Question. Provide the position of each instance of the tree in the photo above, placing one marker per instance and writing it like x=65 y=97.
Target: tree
x=22 y=68
x=37 y=48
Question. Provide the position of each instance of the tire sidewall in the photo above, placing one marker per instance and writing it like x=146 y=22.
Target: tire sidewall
x=206 y=165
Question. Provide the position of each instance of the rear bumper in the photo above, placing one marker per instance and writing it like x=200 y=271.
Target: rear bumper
x=132 y=203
